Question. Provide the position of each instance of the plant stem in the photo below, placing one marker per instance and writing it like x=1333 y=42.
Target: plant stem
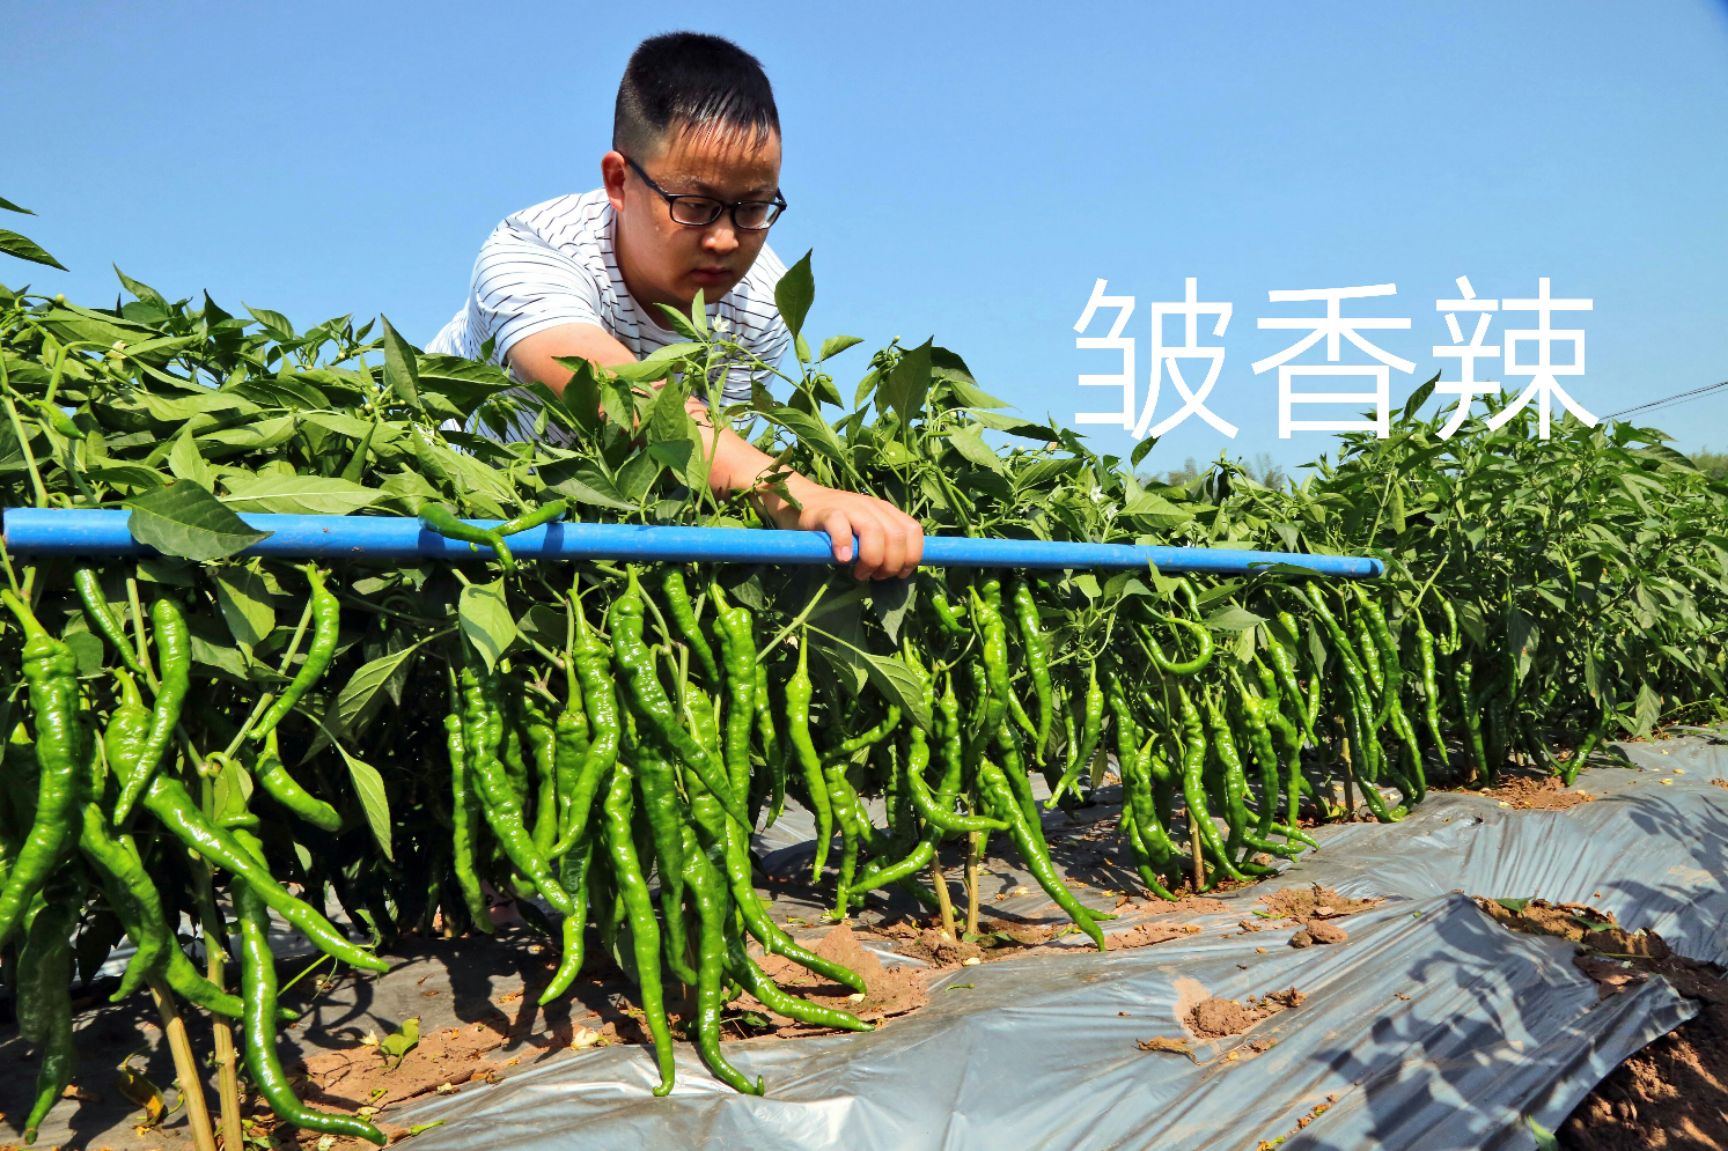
x=185 y=1066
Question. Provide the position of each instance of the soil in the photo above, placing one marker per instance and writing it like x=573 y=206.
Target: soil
x=1318 y=931
x=1215 y=1018
x=1536 y=793
x=1312 y=902
x=1671 y=1096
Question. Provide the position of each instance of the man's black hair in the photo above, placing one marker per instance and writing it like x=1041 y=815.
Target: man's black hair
x=691 y=81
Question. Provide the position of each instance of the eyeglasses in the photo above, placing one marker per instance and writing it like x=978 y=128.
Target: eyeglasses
x=700 y=211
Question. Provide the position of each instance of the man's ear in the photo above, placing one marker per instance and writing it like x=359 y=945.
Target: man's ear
x=612 y=169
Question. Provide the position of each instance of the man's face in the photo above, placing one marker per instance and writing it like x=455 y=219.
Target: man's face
x=664 y=262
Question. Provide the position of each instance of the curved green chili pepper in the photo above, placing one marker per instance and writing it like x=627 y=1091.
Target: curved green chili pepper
x=258 y=990
x=649 y=700
x=644 y=930
x=95 y=601
x=684 y=615
x=44 y=997
x=326 y=631
x=540 y=516
x=799 y=690
x=61 y=757
x=483 y=734
x=442 y=521
x=174 y=654
x=282 y=787
x=1191 y=666
x=709 y=894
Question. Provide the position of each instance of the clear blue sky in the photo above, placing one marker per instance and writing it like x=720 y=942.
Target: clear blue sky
x=965 y=171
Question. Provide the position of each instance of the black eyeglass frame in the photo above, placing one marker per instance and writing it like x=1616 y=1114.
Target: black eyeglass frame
x=777 y=205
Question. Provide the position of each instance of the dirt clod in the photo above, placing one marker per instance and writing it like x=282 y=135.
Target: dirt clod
x=1215 y=1018
x=1312 y=902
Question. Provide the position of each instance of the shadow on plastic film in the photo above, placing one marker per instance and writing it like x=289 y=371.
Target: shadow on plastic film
x=1421 y=1077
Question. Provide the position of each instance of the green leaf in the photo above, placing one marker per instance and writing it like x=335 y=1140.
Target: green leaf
x=275 y=324
x=794 y=294
x=401 y=367
x=142 y=290
x=587 y=484
x=186 y=463
x=245 y=605
x=906 y=387
x=969 y=442
x=1233 y=618
x=486 y=620
x=369 y=786
x=813 y=431
x=1420 y=397
x=297 y=495
x=900 y=684
x=366 y=689
x=1646 y=711
x=834 y=345
x=668 y=421
x=25 y=248
x=9 y=206
x=182 y=519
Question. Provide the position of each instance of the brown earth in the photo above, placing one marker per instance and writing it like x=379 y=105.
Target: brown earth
x=1537 y=793
x=1671 y=1096
x=1312 y=902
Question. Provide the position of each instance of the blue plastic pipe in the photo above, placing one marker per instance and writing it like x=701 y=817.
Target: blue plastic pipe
x=99 y=534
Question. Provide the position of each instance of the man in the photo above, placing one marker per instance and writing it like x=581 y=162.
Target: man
x=690 y=188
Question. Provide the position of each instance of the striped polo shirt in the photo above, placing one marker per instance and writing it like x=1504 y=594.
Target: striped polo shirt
x=555 y=263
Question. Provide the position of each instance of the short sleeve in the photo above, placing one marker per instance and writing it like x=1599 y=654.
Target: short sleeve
x=522 y=286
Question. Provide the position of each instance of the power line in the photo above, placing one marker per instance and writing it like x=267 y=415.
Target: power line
x=1666 y=401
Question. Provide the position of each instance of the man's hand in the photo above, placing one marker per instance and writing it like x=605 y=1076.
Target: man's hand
x=890 y=542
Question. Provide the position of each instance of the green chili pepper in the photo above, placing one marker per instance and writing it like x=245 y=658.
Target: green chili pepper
x=1037 y=663
x=999 y=798
x=644 y=929
x=44 y=999
x=600 y=699
x=540 y=516
x=442 y=521
x=649 y=700
x=176 y=810
x=709 y=894
x=174 y=654
x=258 y=990
x=62 y=759
x=947 y=618
x=273 y=777
x=483 y=732
x=573 y=875
x=738 y=648
x=326 y=631
x=461 y=819
x=684 y=615
x=1091 y=728
x=1192 y=666
x=95 y=601
x=1194 y=785
x=771 y=996
x=799 y=690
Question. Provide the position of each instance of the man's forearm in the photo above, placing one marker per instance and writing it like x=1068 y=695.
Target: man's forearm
x=737 y=465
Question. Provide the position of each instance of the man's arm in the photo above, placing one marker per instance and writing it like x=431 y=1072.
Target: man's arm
x=890 y=542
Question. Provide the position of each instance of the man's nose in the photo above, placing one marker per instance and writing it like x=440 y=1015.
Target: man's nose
x=720 y=237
